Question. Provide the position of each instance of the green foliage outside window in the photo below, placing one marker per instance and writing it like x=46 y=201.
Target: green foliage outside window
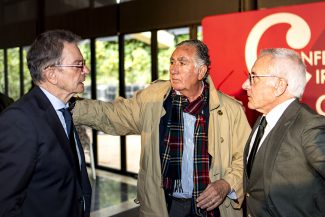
x=13 y=73
x=137 y=62
x=27 y=76
x=84 y=47
x=107 y=64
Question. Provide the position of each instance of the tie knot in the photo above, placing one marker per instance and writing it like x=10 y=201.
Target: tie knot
x=66 y=112
x=63 y=110
x=263 y=122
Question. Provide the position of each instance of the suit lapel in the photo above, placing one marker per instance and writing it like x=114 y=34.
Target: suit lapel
x=246 y=150
x=275 y=139
x=51 y=117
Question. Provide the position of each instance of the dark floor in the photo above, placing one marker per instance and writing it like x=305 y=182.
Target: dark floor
x=113 y=195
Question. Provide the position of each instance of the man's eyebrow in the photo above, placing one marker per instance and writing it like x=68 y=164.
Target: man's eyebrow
x=182 y=59
x=78 y=61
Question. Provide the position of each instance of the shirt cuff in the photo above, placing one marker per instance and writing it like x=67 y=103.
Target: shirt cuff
x=232 y=195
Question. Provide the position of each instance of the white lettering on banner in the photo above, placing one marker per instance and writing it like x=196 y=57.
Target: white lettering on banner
x=320 y=76
x=316 y=57
x=298 y=36
x=319 y=102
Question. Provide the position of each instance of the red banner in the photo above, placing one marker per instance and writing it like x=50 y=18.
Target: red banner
x=234 y=41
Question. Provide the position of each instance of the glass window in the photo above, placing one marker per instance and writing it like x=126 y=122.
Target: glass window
x=107 y=72
x=84 y=47
x=27 y=76
x=86 y=133
x=167 y=40
x=137 y=76
x=107 y=60
x=199 y=33
x=13 y=73
x=133 y=151
x=2 y=73
x=137 y=62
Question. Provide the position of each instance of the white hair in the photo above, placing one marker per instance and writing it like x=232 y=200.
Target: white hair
x=287 y=64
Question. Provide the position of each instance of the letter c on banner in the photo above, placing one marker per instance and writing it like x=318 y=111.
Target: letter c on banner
x=319 y=105
x=298 y=36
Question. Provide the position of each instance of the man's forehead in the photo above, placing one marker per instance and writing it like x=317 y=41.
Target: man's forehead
x=180 y=58
x=183 y=52
x=71 y=49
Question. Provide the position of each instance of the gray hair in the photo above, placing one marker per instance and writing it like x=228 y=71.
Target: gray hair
x=46 y=51
x=287 y=64
x=202 y=52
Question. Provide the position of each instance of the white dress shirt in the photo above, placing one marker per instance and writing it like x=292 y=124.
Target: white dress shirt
x=272 y=118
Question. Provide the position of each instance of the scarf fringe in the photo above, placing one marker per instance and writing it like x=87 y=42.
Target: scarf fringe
x=178 y=186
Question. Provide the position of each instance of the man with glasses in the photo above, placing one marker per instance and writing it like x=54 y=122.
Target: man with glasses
x=42 y=165
x=192 y=138
x=285 y=153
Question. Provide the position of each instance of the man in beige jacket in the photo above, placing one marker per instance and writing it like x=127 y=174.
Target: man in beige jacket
x=192 y=139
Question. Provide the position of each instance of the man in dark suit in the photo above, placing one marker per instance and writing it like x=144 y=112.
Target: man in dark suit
x=286 y=175
x=42 y=167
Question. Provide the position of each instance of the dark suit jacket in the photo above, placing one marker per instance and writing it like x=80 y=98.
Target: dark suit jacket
x=289 y=175
x=37 y=173
x=5 y=101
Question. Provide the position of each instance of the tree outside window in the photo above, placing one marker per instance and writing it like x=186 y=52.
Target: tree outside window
x=13 y=73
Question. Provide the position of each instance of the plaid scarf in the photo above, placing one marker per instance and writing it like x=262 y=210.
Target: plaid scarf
x=173 y=147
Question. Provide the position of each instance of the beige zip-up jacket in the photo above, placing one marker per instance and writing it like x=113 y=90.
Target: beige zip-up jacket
x=227 y=134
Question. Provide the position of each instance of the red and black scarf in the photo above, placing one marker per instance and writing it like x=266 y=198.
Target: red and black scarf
x=173 y=146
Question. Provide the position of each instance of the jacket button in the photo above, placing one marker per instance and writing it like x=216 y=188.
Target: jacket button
x=221 y=139
x=220 y=112
x=247 y=195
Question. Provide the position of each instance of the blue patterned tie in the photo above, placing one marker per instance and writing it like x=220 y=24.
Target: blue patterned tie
x=70 y=131
x=67 y=119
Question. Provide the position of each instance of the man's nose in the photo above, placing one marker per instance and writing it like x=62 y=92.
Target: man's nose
x=85 y=70
x=246 y=85
x=173 y=69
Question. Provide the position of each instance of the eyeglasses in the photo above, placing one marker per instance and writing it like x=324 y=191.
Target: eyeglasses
x=251 y=77
x=79 y=66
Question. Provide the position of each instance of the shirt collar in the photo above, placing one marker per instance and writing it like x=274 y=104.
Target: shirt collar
x=56 y=102
x=274 y=115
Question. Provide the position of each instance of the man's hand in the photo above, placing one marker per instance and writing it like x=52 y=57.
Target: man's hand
x=213 y=195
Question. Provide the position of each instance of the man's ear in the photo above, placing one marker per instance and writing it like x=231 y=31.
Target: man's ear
x=281 y=87
x=202 y=71
x=50 y=75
